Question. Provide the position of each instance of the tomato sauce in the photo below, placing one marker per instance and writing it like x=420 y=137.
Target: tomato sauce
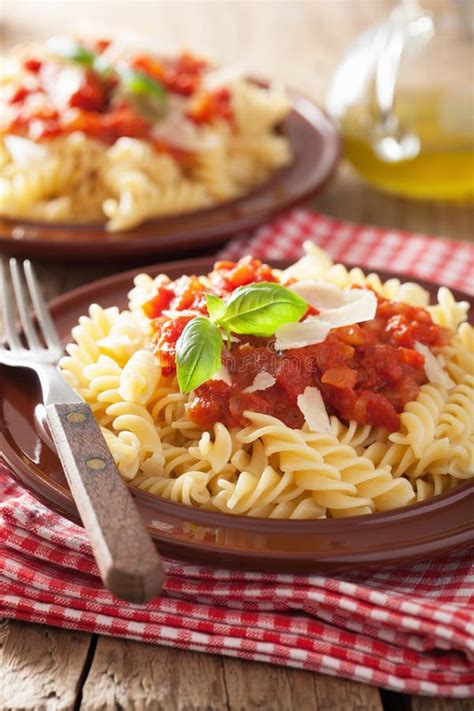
x=365 y=372
x=90 y=101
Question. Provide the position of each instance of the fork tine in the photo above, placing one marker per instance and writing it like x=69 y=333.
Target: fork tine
x=46 y=324
x=23 y=310
x=11 y=334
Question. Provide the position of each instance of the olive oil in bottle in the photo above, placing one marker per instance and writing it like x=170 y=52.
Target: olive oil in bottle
x=439 y=164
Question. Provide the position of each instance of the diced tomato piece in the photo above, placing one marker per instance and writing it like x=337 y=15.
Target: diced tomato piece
x=189 y=293
x=341 y=377
x=373 y=407
x=411 y=357
x=90 y=95
x=161 y=300
x=101 y=45
x=228 y=276
x=149 y=65
x=211 y=403
x=165 y=339
x=124 y=122
x=19 y=95
x=352 y=335
x=332 y=352
x=209 y=106
x=312 y=311
x=32 y=65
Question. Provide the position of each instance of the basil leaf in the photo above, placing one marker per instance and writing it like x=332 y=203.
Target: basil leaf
x=216 y=307
x=198 y=353
x=260 y=309
x=68 y=49
x=140 y=83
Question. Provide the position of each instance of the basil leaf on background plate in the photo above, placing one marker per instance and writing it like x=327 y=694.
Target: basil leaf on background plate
x=68 y=49
x=198 y=353
x=260 y=309
x=142 y=84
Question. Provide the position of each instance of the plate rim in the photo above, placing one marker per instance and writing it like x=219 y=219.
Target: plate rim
x=62 y=501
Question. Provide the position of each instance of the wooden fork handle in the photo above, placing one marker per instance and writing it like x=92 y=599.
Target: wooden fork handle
x=128 y=561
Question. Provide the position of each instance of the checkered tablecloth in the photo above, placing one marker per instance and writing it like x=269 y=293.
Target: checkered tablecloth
x=410 y=628
x=441 y=260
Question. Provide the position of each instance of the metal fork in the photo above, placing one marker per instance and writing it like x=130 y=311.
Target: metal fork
x=125 y=554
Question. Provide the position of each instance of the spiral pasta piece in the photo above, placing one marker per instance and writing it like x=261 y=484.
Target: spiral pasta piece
x=125 y=449
x=189 y=488
x=433 y=485
x=258 y=110
x=250 y=493
x=139 y=199
x=420 y=417
x=354 y=434
x=134 y=418
x=461 y=459
x=448 y=312
x=217 y=451
x=210 y=168
x=139 y=378
x=456 y=420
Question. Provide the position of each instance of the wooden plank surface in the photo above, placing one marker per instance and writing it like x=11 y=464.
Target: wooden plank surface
x=41 y=667
x=300 y=43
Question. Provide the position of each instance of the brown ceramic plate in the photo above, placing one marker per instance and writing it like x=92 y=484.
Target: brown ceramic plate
x=315 y=145
x=415 y=532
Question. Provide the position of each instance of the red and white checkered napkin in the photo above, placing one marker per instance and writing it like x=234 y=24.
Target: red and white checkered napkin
x=409 y=628
x=444 y=261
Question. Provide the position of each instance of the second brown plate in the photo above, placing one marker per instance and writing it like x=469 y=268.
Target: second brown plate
x=415 y=532
x=315 y=145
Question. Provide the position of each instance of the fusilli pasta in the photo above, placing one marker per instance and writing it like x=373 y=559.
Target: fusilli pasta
x=266 y=468
x=110 y=151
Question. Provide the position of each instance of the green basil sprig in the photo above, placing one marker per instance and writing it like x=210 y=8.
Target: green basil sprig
x=260 y=309
x=198 y=353
x=69 y=49
x=141 y=84
x=256 y=309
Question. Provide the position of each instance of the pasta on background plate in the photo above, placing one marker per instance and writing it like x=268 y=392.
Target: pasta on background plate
x=306 y=393
x=96 y=131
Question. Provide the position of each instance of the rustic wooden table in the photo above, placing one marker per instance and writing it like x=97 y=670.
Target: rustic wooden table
x=300 y=43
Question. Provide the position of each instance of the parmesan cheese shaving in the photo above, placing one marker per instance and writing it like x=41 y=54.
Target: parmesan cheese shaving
x=312 y=406
x=262 y=381
x=336 y=308
x=360 y=306
x=433 y=369
x=305 y=333
x=319 y=294
x=224 y=375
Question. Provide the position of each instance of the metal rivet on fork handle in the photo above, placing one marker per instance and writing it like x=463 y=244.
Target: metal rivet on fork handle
x=96 y=464
x=75 y=417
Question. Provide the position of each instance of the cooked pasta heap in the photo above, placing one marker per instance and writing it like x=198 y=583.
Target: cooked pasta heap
x=344 y=433
x=92 y=131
